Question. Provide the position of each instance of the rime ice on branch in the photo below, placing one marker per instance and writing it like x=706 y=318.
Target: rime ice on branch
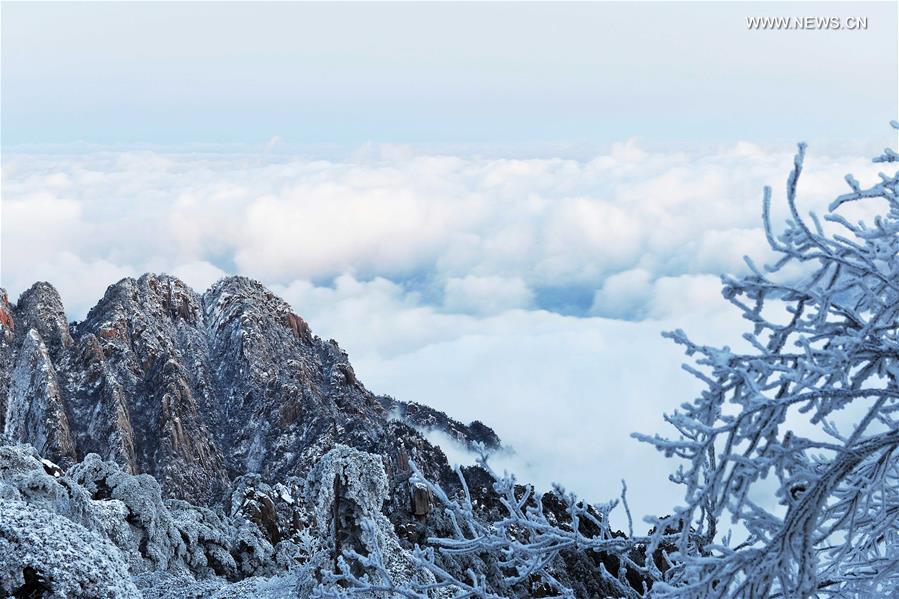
x=772 y=413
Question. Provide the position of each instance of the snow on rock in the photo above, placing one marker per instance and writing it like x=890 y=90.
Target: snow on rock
x=347 y=489
x=34 y=409
x=43 y=554
x=156 y=539
x=40 y=308
x=266 y=540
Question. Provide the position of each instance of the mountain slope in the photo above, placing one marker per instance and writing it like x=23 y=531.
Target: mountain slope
x=215 y=446
x=192 y=389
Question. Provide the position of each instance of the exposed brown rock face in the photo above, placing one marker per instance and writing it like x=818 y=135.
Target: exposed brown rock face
x=104 y=426
x=260 y=509
x=299 y=327
x=421 y=500
x=6 y=321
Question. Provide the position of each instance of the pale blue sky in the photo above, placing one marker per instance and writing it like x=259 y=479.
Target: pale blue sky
x=347 y=73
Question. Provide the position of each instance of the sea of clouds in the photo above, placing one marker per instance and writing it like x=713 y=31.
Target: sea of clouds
x=527 y=293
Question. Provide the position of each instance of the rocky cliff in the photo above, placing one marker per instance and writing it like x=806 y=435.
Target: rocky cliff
x=196 y=437
x=193 y=389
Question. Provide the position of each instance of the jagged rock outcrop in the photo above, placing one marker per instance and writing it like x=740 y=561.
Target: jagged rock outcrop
x=426 y=418
x=40 y=308
x=34 y=405
x=347 y=489
x=195 y=390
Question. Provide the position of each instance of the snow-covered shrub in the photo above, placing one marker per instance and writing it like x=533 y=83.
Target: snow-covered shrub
x=156 y=540
x=169 y=547
x=46 y=555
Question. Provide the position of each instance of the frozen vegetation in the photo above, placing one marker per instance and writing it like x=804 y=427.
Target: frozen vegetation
x=97 y=531
x=185 y=445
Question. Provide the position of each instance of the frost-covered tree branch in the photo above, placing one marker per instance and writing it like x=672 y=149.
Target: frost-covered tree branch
x=526 y=543
x=812 y=405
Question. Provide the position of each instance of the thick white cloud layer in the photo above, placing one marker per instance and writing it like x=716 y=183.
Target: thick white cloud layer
x=476 y=235
x=528 y=293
